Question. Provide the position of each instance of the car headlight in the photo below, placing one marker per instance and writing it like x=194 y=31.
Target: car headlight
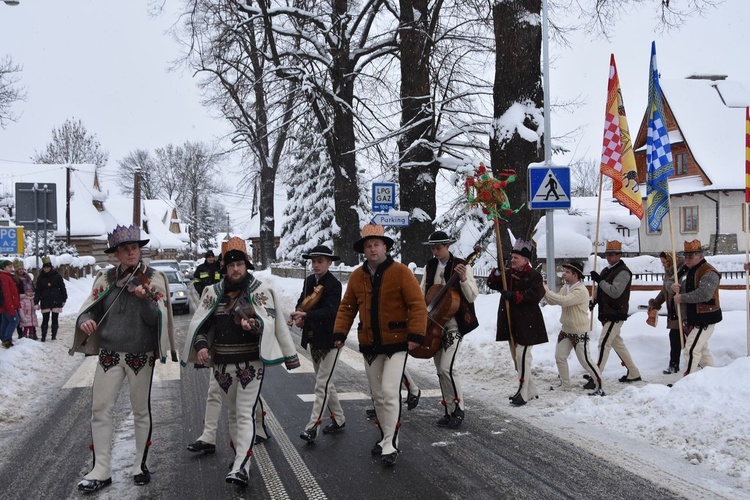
x=179 y=293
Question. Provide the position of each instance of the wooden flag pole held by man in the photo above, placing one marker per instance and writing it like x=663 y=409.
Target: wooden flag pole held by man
x=618 y=160
x=746 y=215
x=659 y=166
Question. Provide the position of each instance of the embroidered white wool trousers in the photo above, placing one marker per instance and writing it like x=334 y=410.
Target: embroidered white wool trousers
x=611 y=339
x=325 y=392
x=384 y=375
x=111 y=371
x=240 y=390
x=445 y=360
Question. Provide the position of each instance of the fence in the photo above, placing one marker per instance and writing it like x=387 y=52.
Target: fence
x=643 y=281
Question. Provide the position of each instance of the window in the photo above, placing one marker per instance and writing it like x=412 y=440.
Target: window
x=690 y=219
x=681 y=163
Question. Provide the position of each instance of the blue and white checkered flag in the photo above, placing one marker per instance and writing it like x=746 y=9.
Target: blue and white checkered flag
x=658 y=152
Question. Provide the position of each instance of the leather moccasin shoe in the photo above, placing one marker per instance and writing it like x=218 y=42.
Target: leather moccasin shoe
x=308 y=435
x=237 y=477
x=627 y=380
x=333 y=427
x=412 y=401
x=143 y=478
x=444 y=421
x=389 y=459
x=92 y=485
x=201 y=446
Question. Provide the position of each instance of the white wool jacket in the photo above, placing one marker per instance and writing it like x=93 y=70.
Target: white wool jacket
x=575 y=312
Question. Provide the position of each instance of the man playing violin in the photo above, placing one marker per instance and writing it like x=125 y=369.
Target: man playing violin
x=393 y=319
x=236 y=331
x=127 y=322
x=438 y=271
x=316 y=321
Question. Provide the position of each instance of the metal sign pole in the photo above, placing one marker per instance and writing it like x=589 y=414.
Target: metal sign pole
x=45 y=219
x=36 y=227
x=550 y=214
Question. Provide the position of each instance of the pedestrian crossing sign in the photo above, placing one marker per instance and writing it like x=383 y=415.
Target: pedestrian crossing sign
x=549 y=187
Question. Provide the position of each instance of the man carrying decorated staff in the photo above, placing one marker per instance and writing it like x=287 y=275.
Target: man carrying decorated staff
x=574 y=299
x=698 y=298
x=236 y=331
x=315 y=314
x=208 y=273
x=127 y=322
x=393 y=319
x=438 y=271
x=613 y=298
x=519 y=304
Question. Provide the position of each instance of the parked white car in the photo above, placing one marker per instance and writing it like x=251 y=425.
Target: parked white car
x=179 y=293
x=162 y=264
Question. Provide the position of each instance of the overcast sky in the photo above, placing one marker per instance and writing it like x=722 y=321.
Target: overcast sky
x=106 y=63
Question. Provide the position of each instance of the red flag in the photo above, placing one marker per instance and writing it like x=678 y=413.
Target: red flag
x=618 y=160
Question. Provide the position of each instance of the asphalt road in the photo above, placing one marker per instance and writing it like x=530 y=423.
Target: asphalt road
x=492 y=456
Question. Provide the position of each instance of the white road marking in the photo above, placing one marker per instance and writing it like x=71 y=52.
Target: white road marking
x=358 y=396
x=306 y=480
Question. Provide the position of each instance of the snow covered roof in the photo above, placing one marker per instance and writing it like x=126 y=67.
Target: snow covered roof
x=711 y=116
x=85 y=219
x=575 y=230
x=158 y=215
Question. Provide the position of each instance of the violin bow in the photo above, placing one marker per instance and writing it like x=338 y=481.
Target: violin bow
x=72 y=350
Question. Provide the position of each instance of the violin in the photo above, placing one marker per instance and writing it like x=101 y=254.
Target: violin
x=443 y=302
x=139 y=278
x=242 y=310
x=309 y=301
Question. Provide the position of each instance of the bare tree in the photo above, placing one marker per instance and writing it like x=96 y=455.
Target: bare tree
x=324 y=46
x=150 y=178
x=72 y=144
x=584 y=178
x=227 y=47
x=10 y=91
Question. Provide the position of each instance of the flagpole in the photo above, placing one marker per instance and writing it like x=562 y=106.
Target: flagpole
x=501 y=263
x=596 y=247
x=745 y=214
x=674 y=271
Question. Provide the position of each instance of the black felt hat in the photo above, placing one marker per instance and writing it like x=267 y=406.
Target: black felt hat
x=321 y=251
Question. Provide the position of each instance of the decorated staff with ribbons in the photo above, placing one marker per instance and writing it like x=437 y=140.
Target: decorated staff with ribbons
x=316 y=321
x=484 y=190
x=236 y=330
x=392 y=319
x=698 y=296
x=439 y=271
x=613 y=298
x=574 y=335
x=127 y=322
x=519 y=317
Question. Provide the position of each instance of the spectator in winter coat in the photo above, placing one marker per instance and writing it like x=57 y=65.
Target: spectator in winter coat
x=11 y=303
x=26 y=291
x=50 y=296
